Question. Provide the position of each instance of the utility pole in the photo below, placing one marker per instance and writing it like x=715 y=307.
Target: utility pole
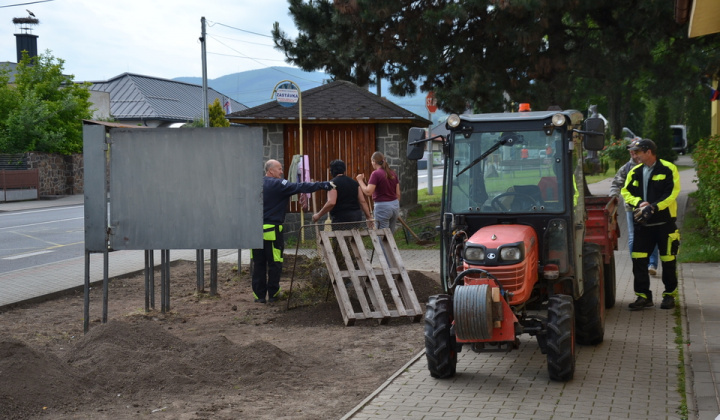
x=206 y=113
x=200 y=253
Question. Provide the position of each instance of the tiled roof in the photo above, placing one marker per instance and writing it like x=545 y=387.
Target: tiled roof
x=338 y=101
x=133 y=96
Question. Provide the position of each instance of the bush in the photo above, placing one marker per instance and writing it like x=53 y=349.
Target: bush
x=616 y=152
x=707 y=164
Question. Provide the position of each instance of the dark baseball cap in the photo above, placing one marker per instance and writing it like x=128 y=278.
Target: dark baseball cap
x=643 y=144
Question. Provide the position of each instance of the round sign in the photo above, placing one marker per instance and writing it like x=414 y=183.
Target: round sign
x=287 y=97
x=287 y=94
x=431 y=102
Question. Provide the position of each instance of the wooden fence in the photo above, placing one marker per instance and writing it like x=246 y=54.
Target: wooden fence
x=19 y=185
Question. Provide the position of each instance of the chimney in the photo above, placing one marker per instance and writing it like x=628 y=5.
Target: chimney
x=25 y=40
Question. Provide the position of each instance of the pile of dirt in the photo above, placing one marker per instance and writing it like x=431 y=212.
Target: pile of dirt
x=214 y=357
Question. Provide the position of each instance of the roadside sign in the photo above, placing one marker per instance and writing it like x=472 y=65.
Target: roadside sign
x=287 y=97
x=431 y=102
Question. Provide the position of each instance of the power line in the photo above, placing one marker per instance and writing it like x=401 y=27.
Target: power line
x=25 y=4
x=238 y=29
x=241 y=54
x=243 y=41
x=261 y=63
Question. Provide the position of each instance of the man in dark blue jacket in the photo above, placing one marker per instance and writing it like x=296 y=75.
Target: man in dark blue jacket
x=268 y=261
x=651 y=189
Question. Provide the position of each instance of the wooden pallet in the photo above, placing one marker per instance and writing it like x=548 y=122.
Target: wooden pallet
x=364 y=278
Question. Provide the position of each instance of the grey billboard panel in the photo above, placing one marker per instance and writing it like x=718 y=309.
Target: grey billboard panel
x=94 y=158
x=195 y=188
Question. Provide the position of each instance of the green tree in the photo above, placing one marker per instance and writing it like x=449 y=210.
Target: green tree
x=344 y=38
x=659 y=131
x=9 y=98
x=44 y=109
x=217 y=115
x=485 y=54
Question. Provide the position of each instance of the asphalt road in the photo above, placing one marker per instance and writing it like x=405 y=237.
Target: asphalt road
x=422 y=175
x=35 y=237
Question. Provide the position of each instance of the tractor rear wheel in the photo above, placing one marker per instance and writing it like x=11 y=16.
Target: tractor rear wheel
x=610 y=282
x=590 y=307
x=561 y=338
x=440 y=345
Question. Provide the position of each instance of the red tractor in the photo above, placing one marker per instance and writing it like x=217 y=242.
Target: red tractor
x=525 y=249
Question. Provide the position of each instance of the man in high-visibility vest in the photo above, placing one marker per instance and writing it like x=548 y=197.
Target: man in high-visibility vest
x=268 y=260
x=651 y=189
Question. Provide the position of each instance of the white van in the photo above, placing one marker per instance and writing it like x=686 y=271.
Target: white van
x=679 y=139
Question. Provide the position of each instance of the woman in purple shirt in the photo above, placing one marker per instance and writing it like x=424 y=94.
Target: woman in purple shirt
x=384 y=187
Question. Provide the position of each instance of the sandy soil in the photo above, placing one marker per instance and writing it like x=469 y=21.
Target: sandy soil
x=221 y=357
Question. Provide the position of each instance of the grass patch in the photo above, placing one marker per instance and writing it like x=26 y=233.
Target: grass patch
x=432 y=200
x=591 y=179
x=697 y=243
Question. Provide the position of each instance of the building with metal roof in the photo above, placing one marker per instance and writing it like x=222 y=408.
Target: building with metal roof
x=154 y=102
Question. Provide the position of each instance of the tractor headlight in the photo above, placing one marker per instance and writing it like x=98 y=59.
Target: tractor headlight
x=453 y=120
x=558 y=120
x=511 y=254
x=474 y=254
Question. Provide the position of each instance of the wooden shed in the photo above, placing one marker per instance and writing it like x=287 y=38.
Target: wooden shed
x=340 y=120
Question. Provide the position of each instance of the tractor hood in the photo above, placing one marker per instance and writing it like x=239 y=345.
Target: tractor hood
x=495 y=236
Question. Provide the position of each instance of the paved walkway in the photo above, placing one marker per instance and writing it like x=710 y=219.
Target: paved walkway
x=633 y=374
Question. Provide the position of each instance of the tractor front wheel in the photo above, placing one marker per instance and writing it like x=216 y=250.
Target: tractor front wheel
x=440 y=347
x=561 y=338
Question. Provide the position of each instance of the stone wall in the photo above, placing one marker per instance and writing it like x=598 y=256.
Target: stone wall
x=391 y=141
x=273 y=142
x=58 y=174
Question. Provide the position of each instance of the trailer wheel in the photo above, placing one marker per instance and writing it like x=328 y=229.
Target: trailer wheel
x=590 y=307
x=610 y=282
x=440 y=347
x=561 y=338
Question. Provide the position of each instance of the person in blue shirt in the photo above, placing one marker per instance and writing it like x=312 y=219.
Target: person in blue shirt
x=267 y=262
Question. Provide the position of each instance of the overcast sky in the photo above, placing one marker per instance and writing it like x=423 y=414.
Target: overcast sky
x=100 y=39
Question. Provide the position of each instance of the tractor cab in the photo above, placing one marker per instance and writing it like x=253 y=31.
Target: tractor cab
x=522 y=168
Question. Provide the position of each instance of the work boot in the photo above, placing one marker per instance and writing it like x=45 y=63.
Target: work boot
x=668 y=302
x=642 y=302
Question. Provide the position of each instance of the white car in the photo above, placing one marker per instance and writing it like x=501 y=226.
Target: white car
x=627 y=134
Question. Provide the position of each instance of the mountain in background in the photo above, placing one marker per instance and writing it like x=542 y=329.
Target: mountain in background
x=254 y=87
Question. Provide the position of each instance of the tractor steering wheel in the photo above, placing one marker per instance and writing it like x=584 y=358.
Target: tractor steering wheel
x=497 y=204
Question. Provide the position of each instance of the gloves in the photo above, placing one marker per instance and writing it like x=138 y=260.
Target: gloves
x=326 y=185
x=641 y=215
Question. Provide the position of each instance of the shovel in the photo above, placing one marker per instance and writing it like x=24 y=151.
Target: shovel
x=417 y=238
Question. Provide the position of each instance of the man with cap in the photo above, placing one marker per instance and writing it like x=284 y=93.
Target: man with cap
x=617 y=183
x=268 y=260
x=651 y=189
